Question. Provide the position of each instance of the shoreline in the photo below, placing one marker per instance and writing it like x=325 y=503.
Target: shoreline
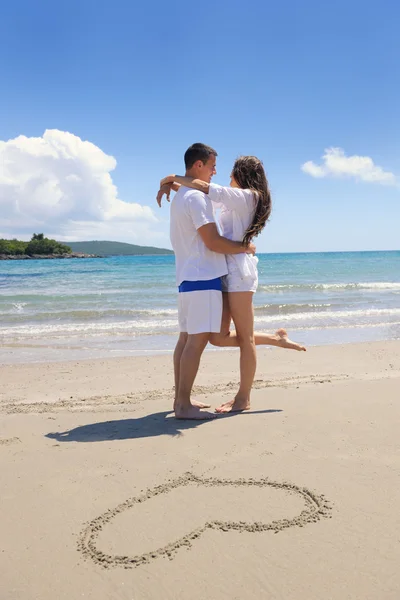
x=34 y=351
x=120 y=375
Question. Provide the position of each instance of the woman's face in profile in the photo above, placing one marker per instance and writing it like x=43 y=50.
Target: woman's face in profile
x=233 y=182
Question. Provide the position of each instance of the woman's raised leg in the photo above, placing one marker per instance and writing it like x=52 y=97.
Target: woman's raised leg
x=227 y=338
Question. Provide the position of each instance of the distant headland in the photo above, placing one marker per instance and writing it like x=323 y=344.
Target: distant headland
x=40 y=247
x=116 y=249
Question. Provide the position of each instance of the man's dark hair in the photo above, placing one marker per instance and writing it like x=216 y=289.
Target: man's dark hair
x=198 y=152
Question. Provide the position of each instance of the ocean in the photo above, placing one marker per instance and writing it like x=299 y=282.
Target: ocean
x=122 y=306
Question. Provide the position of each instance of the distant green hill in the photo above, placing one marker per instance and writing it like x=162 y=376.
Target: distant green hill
x=114 y=248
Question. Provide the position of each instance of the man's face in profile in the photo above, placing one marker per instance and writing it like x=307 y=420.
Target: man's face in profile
x=208 y=170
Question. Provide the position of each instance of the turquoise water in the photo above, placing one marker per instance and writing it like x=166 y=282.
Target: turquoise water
x=62 y=309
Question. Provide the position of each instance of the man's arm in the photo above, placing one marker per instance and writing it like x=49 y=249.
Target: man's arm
x=215 y=242
x=200 y=209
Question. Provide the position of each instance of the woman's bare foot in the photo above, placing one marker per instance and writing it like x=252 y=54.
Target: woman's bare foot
x=233 y=406
x=285 y=342
x=192 y=412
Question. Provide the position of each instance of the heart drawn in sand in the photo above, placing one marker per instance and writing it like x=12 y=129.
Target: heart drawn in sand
x=315 y=508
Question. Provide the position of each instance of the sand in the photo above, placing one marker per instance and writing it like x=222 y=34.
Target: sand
x=104 y=495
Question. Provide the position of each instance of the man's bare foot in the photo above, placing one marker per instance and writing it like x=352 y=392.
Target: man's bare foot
x=285 y=342
x=233 y=406
x=192 y=412
x=195 y=403
x=200 y=404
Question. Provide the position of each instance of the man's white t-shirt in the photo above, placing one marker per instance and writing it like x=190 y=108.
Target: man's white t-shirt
x=190 y=210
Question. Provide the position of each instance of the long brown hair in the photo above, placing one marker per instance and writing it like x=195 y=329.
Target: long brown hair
x=249 y=174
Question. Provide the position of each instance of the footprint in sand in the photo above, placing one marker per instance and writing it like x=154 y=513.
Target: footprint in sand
x=9 y=441
x=169 y=517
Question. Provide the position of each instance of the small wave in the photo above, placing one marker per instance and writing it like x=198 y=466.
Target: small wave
x=86 y=315
x=22 y=275
x=378 y=285
x=321 y=327
x=154 y=326
x=374 y=285
x=90 y=271
x=331 y=315
x=88 y=328
x=19 y=306
x=65 y=291
x=279 y=309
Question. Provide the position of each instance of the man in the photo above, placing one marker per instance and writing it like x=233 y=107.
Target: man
x=200 y=264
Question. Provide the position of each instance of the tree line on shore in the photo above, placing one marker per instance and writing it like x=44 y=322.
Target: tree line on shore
x=38 y=245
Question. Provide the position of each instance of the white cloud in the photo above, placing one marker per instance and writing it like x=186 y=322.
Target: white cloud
x=61 y=184
x=337 y=164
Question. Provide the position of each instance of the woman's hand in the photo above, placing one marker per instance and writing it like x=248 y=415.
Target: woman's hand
x=164 y=189
x=168 y=179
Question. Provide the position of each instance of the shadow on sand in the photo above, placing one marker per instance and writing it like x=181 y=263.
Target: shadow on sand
x=161 y=423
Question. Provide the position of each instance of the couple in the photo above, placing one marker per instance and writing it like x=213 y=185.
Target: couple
x=217 y=274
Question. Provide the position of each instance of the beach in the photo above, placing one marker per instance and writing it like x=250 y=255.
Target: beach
x=113 y=484
x=105 y=495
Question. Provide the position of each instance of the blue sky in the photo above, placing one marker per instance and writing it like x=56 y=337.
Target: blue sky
x=142 y=81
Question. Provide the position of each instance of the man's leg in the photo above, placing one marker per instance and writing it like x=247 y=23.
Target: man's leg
x=189 y=365
x=179 y=348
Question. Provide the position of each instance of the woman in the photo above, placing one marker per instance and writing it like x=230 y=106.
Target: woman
x=245 y=209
